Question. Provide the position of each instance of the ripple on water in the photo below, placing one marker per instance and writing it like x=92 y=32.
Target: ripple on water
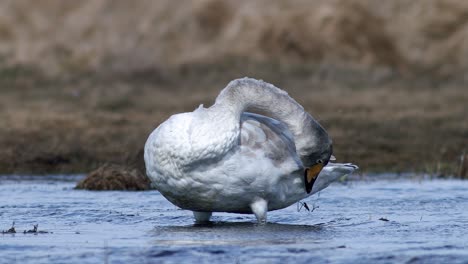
x=427 y=222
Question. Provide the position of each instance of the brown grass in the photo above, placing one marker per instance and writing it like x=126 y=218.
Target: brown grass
x=64 y=36
x=115 y=177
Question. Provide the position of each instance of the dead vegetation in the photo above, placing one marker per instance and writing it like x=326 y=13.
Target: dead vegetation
x=463 y=171
x=115 y=177
x=11 y=230
x=35 y=231
x=411 y=36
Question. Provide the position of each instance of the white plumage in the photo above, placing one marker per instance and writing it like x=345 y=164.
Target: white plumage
x=225 y=159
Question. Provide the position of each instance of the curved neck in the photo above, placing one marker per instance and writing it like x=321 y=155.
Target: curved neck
x=250 y=95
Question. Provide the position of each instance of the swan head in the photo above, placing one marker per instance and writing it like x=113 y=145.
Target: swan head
x=316 y=156
x=322 y=155
x=317 y=151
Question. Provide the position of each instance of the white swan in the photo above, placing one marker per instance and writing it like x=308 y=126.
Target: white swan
x=225 y=159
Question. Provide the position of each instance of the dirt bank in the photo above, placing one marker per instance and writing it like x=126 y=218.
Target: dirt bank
x=377 y=119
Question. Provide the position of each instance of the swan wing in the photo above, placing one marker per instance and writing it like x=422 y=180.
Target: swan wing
x=270 y=137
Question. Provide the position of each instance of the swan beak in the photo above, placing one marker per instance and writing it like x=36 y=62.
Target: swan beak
x=310 y=176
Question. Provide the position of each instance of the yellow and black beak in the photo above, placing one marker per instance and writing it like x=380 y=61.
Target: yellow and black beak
x=310 y=175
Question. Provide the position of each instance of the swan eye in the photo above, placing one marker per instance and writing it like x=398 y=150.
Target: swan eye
x=319 y=161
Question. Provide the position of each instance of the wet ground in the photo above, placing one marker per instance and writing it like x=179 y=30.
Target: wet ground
x=383 y=221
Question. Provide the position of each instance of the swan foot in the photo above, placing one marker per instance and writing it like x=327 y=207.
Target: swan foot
x=259 y=208
x=202 y=217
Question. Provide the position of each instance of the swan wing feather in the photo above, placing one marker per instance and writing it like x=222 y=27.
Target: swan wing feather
x=270 y=137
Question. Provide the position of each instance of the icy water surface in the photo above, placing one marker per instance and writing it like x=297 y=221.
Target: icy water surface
x=427 y=223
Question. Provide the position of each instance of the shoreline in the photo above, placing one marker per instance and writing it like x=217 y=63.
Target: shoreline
x=378 y=119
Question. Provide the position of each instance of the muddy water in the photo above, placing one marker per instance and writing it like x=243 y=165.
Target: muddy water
x=380 y=221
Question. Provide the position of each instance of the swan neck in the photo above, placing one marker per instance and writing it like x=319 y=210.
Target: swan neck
x=250 y=95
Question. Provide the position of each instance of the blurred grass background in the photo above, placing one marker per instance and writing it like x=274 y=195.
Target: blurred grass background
x=83 y=83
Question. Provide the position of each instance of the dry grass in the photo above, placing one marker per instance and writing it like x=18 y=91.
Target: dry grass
x=64 y=36
x=115 y=177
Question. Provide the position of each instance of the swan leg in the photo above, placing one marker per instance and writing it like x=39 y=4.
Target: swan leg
x=201 y=217
x=259 y=208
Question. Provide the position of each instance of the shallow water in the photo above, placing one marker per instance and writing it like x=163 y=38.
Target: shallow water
x=427 y=222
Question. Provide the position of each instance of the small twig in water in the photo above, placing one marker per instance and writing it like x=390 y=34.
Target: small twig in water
x=314 y=207
x=12 y=229
x=301 y=205
x=35 y=231
x=383 y=219
x=304 y=205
